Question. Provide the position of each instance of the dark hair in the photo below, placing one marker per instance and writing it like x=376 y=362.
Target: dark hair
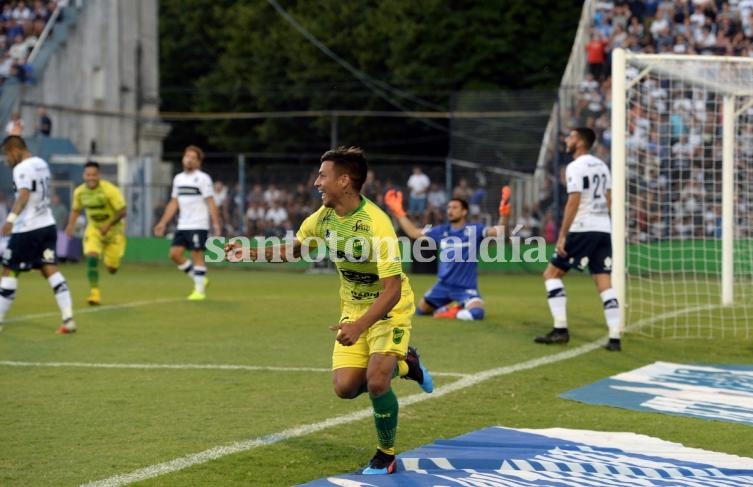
x=14 y=142
x=462 y=202
x=587 y=135
x=350 y=161
x=92 y=164
x=197 y=150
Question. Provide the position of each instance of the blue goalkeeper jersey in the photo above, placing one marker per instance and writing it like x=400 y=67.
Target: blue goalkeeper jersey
x=458 y=253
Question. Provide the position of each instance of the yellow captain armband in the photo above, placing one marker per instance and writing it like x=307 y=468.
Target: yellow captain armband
x=11 y=218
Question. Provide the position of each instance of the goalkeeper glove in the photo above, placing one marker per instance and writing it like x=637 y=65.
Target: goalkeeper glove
x=504 y=203
x=394 y=201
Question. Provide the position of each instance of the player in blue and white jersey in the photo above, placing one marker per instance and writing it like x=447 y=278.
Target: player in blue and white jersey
x=33 y=235
x=584 y=239
x=458 y=242
x=192 y=194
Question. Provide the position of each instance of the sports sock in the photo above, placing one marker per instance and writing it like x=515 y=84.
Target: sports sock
x=385 y=420
x=611 y=312
x=8 y=286
x=92 y=270
x=471 y=314
x=187 y=267
x=62 y=295
x=420 y=312
x=199 y=274
x=557 y=300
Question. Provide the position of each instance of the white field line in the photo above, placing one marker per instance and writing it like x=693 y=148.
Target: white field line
x=96 y=309
x=242 y=446
x=250 y=444
x=255 y=368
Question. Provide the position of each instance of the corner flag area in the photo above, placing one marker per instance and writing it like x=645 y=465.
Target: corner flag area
x=498 y=456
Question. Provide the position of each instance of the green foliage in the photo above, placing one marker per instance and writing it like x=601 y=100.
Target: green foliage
x=244 y=56
x=68 y=425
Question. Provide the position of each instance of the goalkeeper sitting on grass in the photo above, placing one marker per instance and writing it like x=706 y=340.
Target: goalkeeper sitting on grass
x=457 y=277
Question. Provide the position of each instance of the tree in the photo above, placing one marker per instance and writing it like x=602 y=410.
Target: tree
x=240 y=56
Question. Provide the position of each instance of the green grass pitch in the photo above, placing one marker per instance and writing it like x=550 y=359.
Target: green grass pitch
x=95 y=405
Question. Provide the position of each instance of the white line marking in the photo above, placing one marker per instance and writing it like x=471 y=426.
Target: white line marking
x=15 y=363
x=241 y=446
x=238 y=447
x=96 y=309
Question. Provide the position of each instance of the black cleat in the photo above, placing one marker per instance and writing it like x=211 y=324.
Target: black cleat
x=417 y=372
x=557 y=335
x=380 y=464
x=613 y=345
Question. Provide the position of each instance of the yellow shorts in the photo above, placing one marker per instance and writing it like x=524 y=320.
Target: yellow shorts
x=390 y=336
x=110 y=247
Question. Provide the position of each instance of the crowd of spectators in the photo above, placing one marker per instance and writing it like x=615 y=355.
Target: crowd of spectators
x=274 y=209
x=21 y=24
x=673 y=140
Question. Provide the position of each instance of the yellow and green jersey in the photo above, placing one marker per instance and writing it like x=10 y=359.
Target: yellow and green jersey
x=363 y=246
x=101 y=203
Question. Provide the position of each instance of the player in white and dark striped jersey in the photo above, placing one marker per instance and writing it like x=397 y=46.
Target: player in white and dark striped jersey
x=192 y=197
x=584 y=239
x=33 y=235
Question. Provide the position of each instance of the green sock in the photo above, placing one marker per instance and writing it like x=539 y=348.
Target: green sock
x=385 y=420
x=92 y=271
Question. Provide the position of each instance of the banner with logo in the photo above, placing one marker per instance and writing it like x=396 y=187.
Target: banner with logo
x=558 y=457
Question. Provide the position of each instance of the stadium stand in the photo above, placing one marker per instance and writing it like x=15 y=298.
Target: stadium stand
x=680 y=138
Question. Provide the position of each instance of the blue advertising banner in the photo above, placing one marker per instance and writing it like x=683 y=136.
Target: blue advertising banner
x=721 y=392
x=557 y=457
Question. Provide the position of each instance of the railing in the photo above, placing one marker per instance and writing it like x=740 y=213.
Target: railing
x=44 y=35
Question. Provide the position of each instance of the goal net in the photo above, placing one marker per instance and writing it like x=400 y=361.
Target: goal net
x=682 y=162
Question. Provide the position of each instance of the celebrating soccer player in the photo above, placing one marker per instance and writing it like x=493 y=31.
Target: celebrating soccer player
x=584 y=239
x=105 y=210
x=33 y=235
x=192 y=194
x=457 y=277
x=373 y=333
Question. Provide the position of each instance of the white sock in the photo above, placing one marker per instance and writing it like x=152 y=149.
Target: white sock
x=464 y=315
x=62 y=295
x=187 y=267
x=199 y=275
x=557 y=300
x=8 y=286
x=612 y=312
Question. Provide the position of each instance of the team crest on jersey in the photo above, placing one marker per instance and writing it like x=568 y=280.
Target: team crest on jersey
x=48 y=255
x=397 y=335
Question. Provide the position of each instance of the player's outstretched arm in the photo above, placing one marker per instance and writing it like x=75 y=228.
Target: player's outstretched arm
x=235 y=252
x=394 y=201
x=504 y=215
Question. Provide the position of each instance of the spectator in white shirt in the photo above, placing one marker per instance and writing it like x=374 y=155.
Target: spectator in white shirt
x=419 y=184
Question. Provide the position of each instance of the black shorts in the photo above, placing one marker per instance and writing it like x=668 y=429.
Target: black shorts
x=191 y=239
x=586 y=249
x=31 y=250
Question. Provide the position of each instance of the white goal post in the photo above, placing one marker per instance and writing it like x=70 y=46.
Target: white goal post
x=682 y=169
